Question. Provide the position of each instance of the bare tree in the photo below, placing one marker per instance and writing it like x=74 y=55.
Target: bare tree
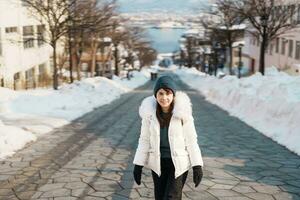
x=119 y=34
x=79 y=20
x=54 y=15
x=224 y=28
x=269 y=19
x=147 y=55
x=99 y=21
x=89 y=22
x=190 y=45
x=137 y=42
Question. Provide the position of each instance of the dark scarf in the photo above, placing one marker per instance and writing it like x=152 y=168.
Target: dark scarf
x=164 y=118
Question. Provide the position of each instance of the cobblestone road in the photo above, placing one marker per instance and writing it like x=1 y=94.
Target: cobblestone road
x=92 y=158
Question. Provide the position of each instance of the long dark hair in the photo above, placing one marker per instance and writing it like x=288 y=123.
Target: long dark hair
x=164 y=121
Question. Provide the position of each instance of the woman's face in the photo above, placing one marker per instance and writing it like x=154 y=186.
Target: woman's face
x=164 y=97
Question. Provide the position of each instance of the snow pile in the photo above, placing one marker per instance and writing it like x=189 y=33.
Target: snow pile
x=270 y=103
x=24 y=115
x=71 y=100
x=13 y=138
x=139 y=78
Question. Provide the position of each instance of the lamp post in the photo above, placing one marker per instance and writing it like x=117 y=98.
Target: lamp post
x=182 y=57
x=203 y=61
x=212 y=63
x=240 y=59
x=216 y=49
x=207 y=60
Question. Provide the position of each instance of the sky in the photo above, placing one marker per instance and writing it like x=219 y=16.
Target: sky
x=177 y=6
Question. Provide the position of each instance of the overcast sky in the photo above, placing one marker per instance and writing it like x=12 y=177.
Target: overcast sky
x=178 y=6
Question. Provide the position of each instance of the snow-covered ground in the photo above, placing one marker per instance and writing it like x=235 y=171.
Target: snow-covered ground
x=270 y=103
x=25 y=115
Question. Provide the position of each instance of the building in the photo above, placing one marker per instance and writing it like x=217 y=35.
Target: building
x=24 y=56
x=282 y=53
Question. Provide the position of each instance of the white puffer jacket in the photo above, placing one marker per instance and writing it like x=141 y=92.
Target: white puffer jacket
x=184 y=147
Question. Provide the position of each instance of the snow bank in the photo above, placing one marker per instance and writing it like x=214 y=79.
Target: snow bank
x=13 y=138
x=270 y=103
x=25 y=115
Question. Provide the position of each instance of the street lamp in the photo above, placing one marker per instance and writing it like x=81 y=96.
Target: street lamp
x=211 y=64
x=207 y=60
x=240 y=59
x=264 y=20
x=216 y=48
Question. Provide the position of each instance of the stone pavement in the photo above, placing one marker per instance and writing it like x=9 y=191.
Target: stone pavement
x=92 y=158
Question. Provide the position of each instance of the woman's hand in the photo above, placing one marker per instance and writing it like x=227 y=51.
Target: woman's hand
x=137 y=173
x=197 y=174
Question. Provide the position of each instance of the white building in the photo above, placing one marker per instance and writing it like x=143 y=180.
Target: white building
x=24 y=60
x=283 y=52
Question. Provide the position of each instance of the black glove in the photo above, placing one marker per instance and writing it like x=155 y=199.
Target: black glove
x=137 y=173
x=197 y=174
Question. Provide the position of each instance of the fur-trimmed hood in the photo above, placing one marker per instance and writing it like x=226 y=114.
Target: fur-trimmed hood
x=182 y=106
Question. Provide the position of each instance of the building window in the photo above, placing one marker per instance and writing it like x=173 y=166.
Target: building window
x=0 y=44
x=40 y=34
x=271 y=48
x=17 y=76
x=267 y=49
x=253 y=41
x=28 y=37
x=297 y=54
x=17 y=80
x=283 y=42
x=292 y=9
x=24 y=3
x=42 y=68
x=236 y=54
x=13 y=29
x=298 y=14
x=291 y=48
x=277 y=45
x=29 y=76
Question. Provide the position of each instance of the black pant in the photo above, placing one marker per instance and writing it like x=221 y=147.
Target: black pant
x=166 y=187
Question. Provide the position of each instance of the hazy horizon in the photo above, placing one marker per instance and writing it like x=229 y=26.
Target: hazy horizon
x=176 y=6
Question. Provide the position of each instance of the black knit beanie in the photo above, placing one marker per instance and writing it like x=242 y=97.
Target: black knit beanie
x=165 y=82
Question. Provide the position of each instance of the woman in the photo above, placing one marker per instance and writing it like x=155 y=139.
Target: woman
x=168 y=141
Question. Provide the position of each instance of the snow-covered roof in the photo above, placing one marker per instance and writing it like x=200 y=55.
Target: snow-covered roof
x=107 y=39
x=296 y=65
x=182 y=39
x=236 y=44
x=191 y=31
x=235 y=27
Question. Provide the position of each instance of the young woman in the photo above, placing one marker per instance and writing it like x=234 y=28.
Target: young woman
x=168 y=141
